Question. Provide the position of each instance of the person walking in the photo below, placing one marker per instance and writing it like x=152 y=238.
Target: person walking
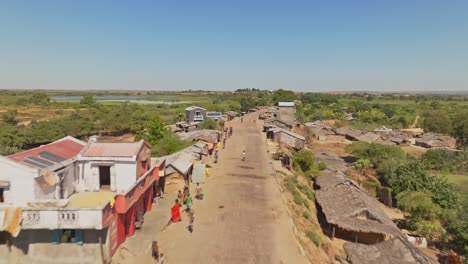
x=199 y=192
x=180 y=197
x=188 y=202
x=224 y=143
x=216 y=155
x=155 y=250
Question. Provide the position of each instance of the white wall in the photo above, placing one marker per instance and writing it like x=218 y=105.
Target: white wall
x=21 y=178
x=123 y=175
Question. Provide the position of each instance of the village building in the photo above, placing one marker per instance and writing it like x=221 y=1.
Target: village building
x=397 y=250
x=286 y=111
x=349 y=212
x=322 y=132
x=383 y=130
x=207 y=135
x=214 y=115
x=286 y=137
x=194 y=114
x=73 y=197
x=434 y=140
x=230 y=115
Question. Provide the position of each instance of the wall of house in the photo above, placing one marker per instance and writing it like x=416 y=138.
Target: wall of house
x=287 y=114
x=123 y=175
x=190 y=114
x=289 y=140
x=21 y=181
x=36 y=246
x=143 y=155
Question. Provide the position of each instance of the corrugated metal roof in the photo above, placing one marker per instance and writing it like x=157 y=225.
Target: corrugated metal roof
x=286 y=104
x=65 y=148
x=194 y=107
x=112 y=150
x=198 y=174
x=278 y=130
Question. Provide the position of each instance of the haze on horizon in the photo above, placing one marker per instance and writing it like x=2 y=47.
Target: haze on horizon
x=219 y=45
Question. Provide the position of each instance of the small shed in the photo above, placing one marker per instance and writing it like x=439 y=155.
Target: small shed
x=198 y=175
x=283 y=136
x=351 y=212
x=397 y=250
x=195 y=114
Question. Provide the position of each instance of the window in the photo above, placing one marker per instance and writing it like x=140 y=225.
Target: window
x=197 y=113
x=67 y=236
x=2 y=199
x=104 y=177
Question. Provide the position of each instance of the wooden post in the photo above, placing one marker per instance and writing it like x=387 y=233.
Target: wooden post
x=333 y=233
x=101 y=250
x=356 y=237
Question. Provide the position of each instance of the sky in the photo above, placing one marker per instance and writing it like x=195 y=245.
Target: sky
x=329 y=45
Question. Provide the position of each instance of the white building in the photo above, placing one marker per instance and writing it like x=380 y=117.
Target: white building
x=71 y=199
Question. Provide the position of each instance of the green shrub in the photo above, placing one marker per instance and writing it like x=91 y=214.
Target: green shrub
x=297 y=198
x=207 y=124
x=306 y=203
x=321 y=165
x=314 y=237
x=310 y=195
x=306 y=214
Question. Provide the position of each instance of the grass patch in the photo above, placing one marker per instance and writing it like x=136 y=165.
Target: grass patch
x=310 y=195
x=458 y=179
x=306 y=203
x=306 y=215
x=314 y=237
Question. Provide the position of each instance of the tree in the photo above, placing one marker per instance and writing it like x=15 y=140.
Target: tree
x=208 y=123
x=362 y=165
x=179 y=116
x=40 y=99
x=152 y=130
x=437 y=121
x=419 y=205
x=88 y=100
x=10 y=117
x=460 y=129
x=281 y=95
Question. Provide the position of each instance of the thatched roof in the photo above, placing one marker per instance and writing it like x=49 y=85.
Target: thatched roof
x=349 y=207
x=395 y=251
x=204 y=134
x=369 y=137
x=349 y=132
x=333 y=161
x=434 y=140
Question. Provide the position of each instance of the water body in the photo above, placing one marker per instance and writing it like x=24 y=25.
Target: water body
x=139 y=99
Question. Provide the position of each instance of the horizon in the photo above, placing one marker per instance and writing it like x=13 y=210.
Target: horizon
x=364 y=46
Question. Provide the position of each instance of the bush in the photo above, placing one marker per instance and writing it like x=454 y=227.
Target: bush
x=297 y=198
x=310 y=195
x=306 y=203
x=321 y=165
x=304 y=160
x=169 y=144
x=314 y=237
x=306 y=214
x=207 y=124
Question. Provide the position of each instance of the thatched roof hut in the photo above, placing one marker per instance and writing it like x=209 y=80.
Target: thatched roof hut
x=349 y=133
x=346 y=206
x=397 y=250
x=434 y=140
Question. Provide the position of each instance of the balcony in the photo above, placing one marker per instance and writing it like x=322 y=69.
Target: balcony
x=64 y=218
x=198 y=118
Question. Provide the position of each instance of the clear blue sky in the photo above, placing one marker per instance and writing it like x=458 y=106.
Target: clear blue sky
x=380 y=45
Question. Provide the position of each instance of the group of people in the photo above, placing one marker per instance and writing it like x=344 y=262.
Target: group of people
x=186 y=198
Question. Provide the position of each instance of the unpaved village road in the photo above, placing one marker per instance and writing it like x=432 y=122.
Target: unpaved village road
x=242 y=219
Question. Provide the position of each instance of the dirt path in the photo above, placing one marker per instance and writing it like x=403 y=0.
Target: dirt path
x=242 y=218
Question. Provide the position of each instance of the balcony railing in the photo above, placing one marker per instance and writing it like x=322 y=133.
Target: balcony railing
x=63 y=218
x=198 y=118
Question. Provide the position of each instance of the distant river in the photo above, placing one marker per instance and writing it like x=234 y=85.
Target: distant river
x=140 y=99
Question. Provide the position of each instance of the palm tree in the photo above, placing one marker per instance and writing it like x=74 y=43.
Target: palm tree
x=362 y=165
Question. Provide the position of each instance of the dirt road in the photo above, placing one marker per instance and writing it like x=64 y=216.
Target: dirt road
x=242 y=218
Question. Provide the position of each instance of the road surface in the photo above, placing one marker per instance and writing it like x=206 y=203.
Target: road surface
x=242 y=219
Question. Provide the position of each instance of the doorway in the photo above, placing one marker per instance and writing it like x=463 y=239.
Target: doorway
x=104 y=177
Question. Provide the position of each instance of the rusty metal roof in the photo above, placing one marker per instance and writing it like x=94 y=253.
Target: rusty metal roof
x=46 y=155
x=113 y=150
